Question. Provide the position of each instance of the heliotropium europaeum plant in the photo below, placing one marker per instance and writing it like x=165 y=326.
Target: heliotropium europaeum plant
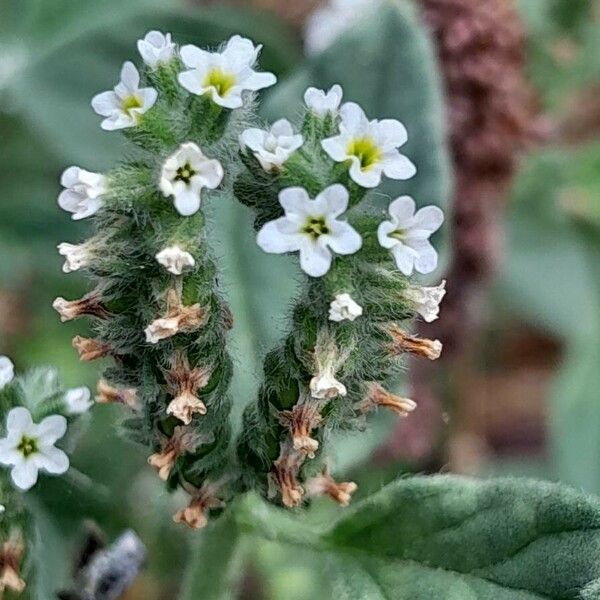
x=156 y=307
x=311 y=191
x=38 y=425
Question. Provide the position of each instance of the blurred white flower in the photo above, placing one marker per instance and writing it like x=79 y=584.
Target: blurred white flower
x=123 y=106
x=323 y=103
x=272 y=147
x=371 y=147
x=312 y=228
x=330 y=20
x=344 y=308
x=184 y=175
x=29 y=447
x=83 y=191
x=407 y=235
x=78 y=400
x=175 y=260
x=426 y=300
x=224 y=76
x=7 y=371
x=76 y=256
x=156 y=48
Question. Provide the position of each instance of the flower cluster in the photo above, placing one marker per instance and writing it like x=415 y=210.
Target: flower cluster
x=345 y=339
x=38 y=420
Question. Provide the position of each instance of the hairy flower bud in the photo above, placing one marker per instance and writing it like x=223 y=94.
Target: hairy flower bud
x=107 y=394
x=184 y=383
x=301 y=420
x=377 y=396
x=90 y=305
x=324 y=484
x=89 y=349
x=195 y=515
x=284 y=477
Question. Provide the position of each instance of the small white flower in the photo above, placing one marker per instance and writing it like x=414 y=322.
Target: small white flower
x=407 y=235
x=323 y=103
x=312 y=228
x=83 y=191
x=185 y=173
x=124 y=106
x=175 y=260
x=29 y=447
x=344 y=308
x=371 y=147
x=156 y=48
x=272 y=147
x=326 y=386
x=76 y=256
x=426 y=300
x=224 y=76
x=78 y=400
x=161 y=329
x=7 y=371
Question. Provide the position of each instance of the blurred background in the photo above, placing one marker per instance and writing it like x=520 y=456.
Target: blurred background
x=502 y=103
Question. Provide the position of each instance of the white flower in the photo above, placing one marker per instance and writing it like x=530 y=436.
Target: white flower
x=407 y=235
x=371 y=147
x=76 y=256
x=78 y=400
x=29 y=447
x=323 y=103
x=83 y=191
x=175 y=260
x=344 y=308
x=156 y=48
x=311 y=227
x=224 y=75
x=161 y=329
x=426 y=300
x=124 y=106
x=273 y=147
x=7 y=371
x=330 y=20
x=326 y=386
x=185 y=173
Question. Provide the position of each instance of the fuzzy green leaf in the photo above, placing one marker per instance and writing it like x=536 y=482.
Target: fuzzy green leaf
x=453 y=537
x=387 y=65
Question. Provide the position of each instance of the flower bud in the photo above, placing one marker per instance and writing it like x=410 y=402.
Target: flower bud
x=404 y=342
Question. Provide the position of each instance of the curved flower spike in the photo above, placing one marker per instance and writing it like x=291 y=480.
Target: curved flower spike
x=224 y=76
x=123 y=106
x=29 y=447
x=407 y=235
x=311 y=227
x=371 y=147
x=185 y=174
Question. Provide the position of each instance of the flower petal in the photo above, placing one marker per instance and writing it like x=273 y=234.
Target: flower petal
x=335 y=198
x=105 y=103
x=336 y=147
x=354 y=119
x=344 y=239
x=193 y=57
x=273 y=240
x=398 y=166
x=427 y=259
x=191 y=81
x=24 y=475
x=130 y=76
x=52 y=428
x=187 y=203
x=19 y=420
x=53 y=460
x=402 y=210
x=211 y=172
x=315 y=260
x=369 y=178
x=294 y=200
x=429 y=218
x=405 y=258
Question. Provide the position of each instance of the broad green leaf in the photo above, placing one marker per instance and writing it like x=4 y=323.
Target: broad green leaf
x=215 y=566
x=387 y=65
x=466 y=539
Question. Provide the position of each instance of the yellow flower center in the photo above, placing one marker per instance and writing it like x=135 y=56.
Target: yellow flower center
x=399 y=234
x=130 y=103
x=220 y=80
x=366 y=150
x=315 y=227
x=185 y=173
x=27 y=446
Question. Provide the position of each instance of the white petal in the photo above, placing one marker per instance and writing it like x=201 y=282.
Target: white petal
x=193 y=57
x=367 y=178
x=273 y=240
x=398 y=166
x=50 y=429
x=259 y=81
x=78 y=400
x=211 y=172
x=70 y=177
x=405 y=258
x=391 y=133
x=344 y=239
x=253 y=138
x=25 y=475
x=148 y=97
x=7 y=371
x=354 y=119
x=106 y=103
x=402 y=210
x=18 y=420
x=336 y=199
x=130 y=76
x=187 y=203
x=282 y=127
x=336 y=147
x=429 y=218
x=53 y=460
x=294 y=200
x=383 y=235
x=427 y=259
x=314 y=259
x=191 y=81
